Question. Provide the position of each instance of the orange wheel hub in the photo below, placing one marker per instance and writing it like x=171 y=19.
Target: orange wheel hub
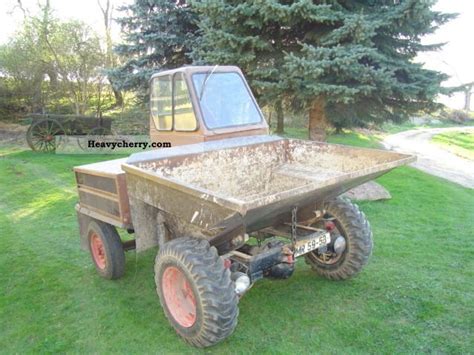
x=179 y=296
x=98 y=251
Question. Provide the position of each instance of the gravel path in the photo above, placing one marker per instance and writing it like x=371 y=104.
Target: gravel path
x=432 y=158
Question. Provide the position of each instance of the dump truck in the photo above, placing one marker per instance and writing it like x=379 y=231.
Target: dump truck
x=227 y=205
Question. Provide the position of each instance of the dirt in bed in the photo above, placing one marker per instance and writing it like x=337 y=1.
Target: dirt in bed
x=245 y=173
x=332 y=159
x=250 y=173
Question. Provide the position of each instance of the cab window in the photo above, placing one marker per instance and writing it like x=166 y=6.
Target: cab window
x=161 y=103
x=184 y=119
x=225 y=100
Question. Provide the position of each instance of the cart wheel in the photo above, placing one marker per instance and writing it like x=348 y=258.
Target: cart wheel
x=106 y=250
x=82 y=141
x=41 y=135
x=351 y=241
x=196 y=291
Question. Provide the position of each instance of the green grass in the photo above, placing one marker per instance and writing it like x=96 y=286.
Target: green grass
x=347 y=137
x=377 y=133
x=416 y=295
x=392 y=128
x=460 y=143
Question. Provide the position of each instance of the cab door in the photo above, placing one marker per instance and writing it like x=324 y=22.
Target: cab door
x=172 y=114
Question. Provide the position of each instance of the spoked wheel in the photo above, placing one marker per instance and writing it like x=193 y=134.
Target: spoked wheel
x=41 y=136
x=196 y=291
x=106 y=250
x=82 y=141
x=351 y=241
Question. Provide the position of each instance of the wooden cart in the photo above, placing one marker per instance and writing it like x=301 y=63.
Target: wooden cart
x=41 y=135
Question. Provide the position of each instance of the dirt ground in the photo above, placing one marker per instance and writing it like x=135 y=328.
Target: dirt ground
x=432 y=158
x=13 y=134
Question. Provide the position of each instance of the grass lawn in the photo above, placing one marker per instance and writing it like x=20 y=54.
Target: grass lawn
x=348 y=138
x=460 y=143
x=416 y=294
x=392 y=128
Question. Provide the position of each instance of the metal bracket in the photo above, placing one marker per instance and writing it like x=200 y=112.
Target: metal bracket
x=294 y=223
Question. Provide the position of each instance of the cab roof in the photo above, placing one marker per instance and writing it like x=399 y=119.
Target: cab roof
x=190 y=69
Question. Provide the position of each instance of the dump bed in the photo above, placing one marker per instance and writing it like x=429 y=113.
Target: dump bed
x=255 y=178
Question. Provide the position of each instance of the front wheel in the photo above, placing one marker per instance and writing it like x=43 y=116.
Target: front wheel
x=351 y=241
x=196 y=291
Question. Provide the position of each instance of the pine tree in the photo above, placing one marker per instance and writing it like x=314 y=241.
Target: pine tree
x=247 y=34
x=158 y=34
x=345 y=62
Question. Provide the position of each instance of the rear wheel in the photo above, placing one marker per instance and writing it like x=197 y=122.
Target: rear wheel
x=95 y=134
x=196 y=291
x=106 y=250
x=41 y=135
x=351 y=241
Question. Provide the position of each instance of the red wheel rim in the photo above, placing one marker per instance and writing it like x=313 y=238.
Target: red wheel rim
x=179 y=296
x=98 y=251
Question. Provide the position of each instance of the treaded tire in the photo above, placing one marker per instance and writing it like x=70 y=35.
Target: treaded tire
x=215 y=299
x=352 y=223
x=112 y=250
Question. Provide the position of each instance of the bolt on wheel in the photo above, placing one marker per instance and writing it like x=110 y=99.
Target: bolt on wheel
x=196 y=291
x=106 y=250
x=179 y=296
x=351 y=241
x=98 y=252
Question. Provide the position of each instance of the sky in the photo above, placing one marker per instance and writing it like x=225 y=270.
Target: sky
x=456 y=58
x=84 y=10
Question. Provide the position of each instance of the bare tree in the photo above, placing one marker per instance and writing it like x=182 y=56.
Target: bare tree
x=22 y=8
x=467 y=96
x=107 y=9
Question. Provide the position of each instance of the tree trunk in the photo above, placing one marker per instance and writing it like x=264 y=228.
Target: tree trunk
x=99 y=99
x=117 y=95
x=317 y=119
x=107 y=10
x=280 y=128
x=467 y=98
x=37 y=91
x=77 y=110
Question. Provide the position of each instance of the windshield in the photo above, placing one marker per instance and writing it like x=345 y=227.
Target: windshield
x=225 y=100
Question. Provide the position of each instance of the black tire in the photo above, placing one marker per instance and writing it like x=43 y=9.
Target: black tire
x=215 y=301
x=112 y=250
x=354 y=227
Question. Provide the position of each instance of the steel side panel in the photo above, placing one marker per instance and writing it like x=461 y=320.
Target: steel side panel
x=205 y=209
x=191 y=210
x=267 y=215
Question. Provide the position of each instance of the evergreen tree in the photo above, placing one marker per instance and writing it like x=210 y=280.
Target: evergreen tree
x=158 y=34
x=343 y=61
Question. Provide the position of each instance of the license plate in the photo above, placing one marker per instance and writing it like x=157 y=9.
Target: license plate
x=311 y=242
